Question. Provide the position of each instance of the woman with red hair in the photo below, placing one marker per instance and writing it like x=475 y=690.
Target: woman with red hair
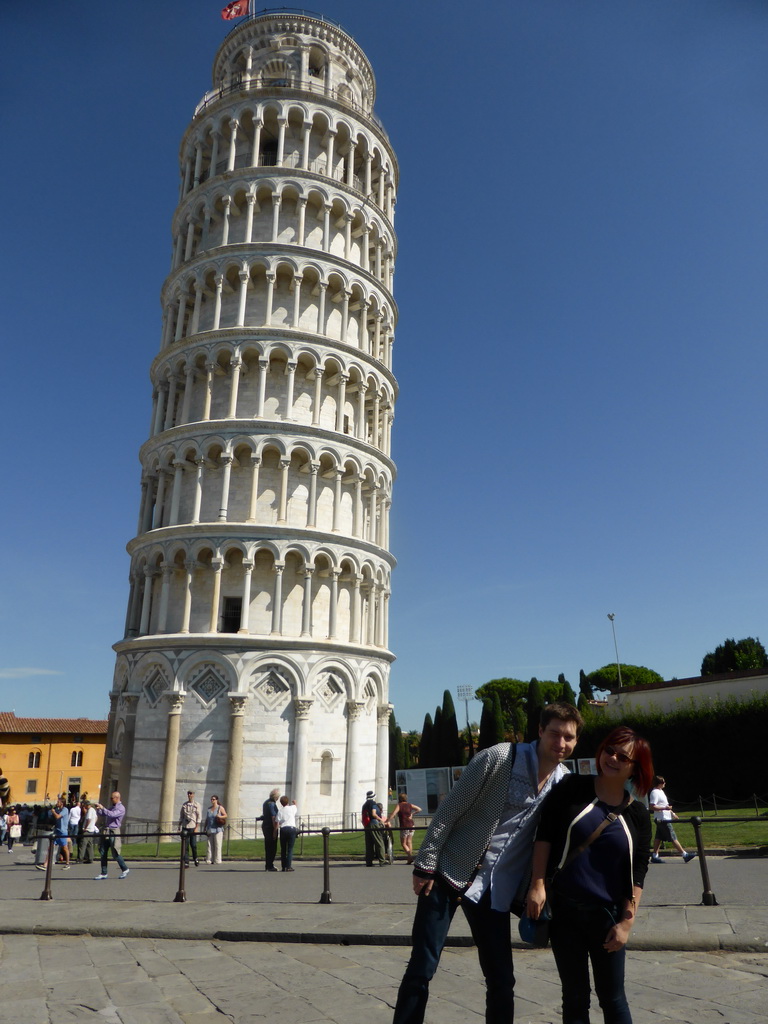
x=592 y=845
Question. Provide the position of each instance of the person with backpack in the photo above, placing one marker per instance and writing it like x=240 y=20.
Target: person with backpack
x=373 y=823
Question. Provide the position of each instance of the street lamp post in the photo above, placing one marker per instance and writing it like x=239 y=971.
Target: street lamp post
x=611 y=616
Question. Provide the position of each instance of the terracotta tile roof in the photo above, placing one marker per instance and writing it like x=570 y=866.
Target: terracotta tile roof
x=10 y=723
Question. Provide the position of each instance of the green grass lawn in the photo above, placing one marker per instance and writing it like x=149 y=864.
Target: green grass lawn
x=750 y=831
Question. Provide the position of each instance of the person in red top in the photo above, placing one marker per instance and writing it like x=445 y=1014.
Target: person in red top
x=405 y=812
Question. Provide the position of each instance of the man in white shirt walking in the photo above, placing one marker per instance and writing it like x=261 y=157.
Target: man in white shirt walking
x=190 y=816
x=664 y=816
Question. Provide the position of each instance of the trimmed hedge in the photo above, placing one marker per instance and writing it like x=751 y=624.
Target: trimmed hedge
x=714 y=746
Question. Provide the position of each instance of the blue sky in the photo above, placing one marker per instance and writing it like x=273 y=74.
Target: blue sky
x=581 y=349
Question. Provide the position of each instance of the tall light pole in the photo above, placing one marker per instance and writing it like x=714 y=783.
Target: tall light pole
x=611 y=616
x=466 y=693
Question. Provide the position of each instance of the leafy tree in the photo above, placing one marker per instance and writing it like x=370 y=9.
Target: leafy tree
x=566 y=690
x=511 y=694
x=735 y=656
x=607 y=677
x=491 y=723
x=533 y=706
x=583 y=705
x=425 y=745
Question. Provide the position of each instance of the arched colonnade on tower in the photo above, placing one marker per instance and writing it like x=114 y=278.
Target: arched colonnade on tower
x=269 y=481
x=273 y=381
x=265 y=589
x=278 y=292
x=289 y=134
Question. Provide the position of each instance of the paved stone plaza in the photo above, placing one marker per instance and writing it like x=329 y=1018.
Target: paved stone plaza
x=141 y=958
x=164 y=981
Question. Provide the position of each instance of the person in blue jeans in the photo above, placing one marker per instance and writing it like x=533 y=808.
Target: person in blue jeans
x=592 y=847
x=490 y=818
x=110 y=837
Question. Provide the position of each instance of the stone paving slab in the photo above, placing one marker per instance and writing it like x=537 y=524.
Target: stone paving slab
x=191 y=982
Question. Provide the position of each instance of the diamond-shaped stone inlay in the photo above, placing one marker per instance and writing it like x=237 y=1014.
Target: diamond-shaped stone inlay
x=155 y=686
x=272 y=689
x=330 y=690
x=208 y=686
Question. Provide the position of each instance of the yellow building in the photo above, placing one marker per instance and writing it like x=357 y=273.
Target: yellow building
x=43 y=757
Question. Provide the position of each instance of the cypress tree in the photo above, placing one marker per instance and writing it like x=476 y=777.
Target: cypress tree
x=566 y=693
x=533 y=707
x=425 y=744
x=491 y=723
x=436 y=746
x=450 y=740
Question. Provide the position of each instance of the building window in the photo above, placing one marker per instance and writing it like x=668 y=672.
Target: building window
x=232 y=613
x=77 y=759
x=33 y=761
x=31 y=786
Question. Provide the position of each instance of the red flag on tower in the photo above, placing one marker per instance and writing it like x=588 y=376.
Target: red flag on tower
x=236 y=9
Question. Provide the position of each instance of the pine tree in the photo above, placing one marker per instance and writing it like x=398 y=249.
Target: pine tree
x=585 y=687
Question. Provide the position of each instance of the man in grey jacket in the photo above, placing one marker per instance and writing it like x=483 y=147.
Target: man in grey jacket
x=488 y=819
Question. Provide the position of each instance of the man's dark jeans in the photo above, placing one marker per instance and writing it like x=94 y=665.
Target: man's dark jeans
x=577 y=934
x=270 y=847
x=191 y=845
x=492 y=935
x=107 y=843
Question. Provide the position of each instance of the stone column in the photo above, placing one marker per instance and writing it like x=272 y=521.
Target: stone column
x=210 y=369
x=276 y=203
x=244 y=278
x=255 y=463
x=131 y=703
x=178 y=473
x=301 y=709
x=297 y=279
x=339 y=473
x=352 y=801
x=237 y=705
x=245 y=613
x=332 y=611
x=251 y=200
x=200 y=463
x=290 y=372
x=355 y=611
x=312 y=500
x=170 y=406
x=277 y=601
x=167 y=810
x=217 y=564
x=236 y=365
x=146 y=601
x=189 y=567
x=162 y=619
x=282 y=512
x=317 y=401
x=226 y=461
x=306 y=607
x=341 y=395
x=234 y=124
x=302 y=221
x=383 y=712
x=263 y=371
x=226 y=202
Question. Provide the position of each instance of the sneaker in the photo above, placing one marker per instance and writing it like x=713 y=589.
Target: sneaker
x=98 y=878
x=124 y=874
x=65 y=867
x=40 y=867
x=688 y=857
x=656 y=859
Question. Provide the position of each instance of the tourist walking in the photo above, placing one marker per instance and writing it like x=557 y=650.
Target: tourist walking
x=664 y=816
x=215 y=820
x=110 y=837
x=405 y=811
x=190 y=816
x=13 y=824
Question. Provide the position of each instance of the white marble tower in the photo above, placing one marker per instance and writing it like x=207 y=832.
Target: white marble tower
x=255 y=651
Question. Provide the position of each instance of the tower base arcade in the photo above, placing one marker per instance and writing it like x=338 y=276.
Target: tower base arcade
x=240 y=723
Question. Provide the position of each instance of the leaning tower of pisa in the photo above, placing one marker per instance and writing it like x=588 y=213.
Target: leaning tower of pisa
x=256 y=652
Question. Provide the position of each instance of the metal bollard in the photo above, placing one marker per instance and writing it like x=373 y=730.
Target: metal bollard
x=46 y=893
x=326 y=895
x=181 y=896
x=708 y=898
